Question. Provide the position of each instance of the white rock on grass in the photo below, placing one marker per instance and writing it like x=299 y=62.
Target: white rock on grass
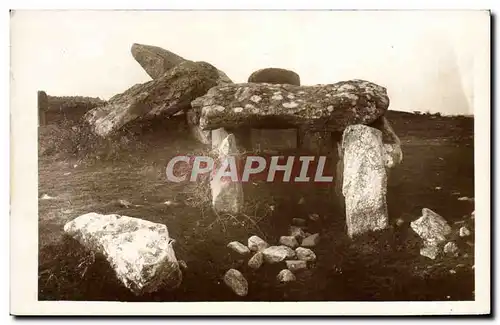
x=297 y=232
x=464 y=232
x=431 y=227
x=238 y=247
x=289 y=241
x=295 y=266
x=255 y=244
x=451 y=248
x=256 y=261
x=305 y=254
x=276 y=254
x=139 y=251
x=286 y=276
x=236 y=281
x=430 y=251
x=310 y=241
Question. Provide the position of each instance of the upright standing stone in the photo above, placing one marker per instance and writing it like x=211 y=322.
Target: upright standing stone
x=43 y=106
x=227 y=193
x=364 y=180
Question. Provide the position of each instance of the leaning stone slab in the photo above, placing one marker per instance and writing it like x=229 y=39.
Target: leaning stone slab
x=431 y=227
x=165 y=96
x=364 y=180
x=227 y=193
x=329 y=107
x=156 y=61
x=139 y=251
x=392 y=143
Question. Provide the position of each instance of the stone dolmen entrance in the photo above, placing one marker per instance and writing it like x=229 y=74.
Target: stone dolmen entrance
x=343 y=120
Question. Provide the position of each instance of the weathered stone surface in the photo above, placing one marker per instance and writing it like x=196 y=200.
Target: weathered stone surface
x=310 y=241
x=364 y=180
x=295 y=266
x=289 y=241
x=227 y=193
x=256 y=244
x=451 y=248
x=139 y=251
x=256 y=261
x=464 y=231
x=305 y=254
x=238 y=247
x=270 y=141
x=323 y=107
x=286 y=276
x=236 y=281
x=275 y=76
x=430 y=251
x=431 y=227
x=276 y=254
x=157 y=61
x=164 y=96
x=392 y=144
x=297 y=232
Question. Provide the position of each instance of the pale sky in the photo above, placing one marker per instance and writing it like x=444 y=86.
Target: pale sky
x=424 y=59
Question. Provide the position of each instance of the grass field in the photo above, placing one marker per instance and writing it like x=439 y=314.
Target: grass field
x=437 y=169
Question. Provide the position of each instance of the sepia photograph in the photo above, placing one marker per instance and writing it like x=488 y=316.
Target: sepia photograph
x=316 y=157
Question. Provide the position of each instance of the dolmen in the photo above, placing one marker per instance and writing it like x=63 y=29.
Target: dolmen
x=272 y=111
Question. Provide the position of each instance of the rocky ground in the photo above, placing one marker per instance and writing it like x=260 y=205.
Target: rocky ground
x=437 y=170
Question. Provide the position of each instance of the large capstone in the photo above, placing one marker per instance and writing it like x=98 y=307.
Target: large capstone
x=364 y=180
x=165 y=96
x=139 y=251
x=330 y=107
x=275 y=76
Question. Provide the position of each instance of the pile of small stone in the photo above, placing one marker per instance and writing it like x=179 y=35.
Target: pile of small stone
x=294 y=250
x=435 y=231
